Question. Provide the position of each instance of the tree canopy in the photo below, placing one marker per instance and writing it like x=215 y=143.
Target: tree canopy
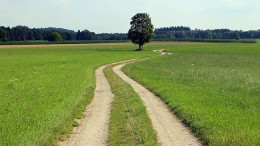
x=24 y=33
x=141 y=30
x=55 y=36
x=181 y=32
x=3 y=36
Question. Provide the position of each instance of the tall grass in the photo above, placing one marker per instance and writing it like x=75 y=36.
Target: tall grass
x=213 y=88
x=43 y=89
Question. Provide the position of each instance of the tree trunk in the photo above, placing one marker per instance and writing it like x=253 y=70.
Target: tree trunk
x=140 y=47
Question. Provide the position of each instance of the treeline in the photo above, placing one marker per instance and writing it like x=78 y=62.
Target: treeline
x=24 y=33
x=181 y=32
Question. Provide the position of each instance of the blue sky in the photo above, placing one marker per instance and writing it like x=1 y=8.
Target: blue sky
x=114 y=15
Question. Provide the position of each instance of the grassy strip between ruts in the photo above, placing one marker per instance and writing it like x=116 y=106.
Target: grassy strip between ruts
x=129 y=122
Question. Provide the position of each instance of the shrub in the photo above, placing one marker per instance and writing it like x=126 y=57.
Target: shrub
x=55 y=37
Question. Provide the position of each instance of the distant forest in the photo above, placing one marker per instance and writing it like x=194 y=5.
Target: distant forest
x=24 y=33
x=181 y=32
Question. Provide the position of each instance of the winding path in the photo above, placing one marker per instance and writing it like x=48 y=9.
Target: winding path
x=93 y=129
x=170 y=131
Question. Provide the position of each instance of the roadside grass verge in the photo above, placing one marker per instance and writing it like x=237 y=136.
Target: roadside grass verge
x=43 y=89
x=129 y=122
x=213 y=88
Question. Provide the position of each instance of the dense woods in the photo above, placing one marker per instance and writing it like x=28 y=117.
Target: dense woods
x=181 y=32
x=24 y=33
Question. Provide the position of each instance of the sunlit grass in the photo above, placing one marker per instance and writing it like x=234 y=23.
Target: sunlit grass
x=214 y=88
x=43 y=89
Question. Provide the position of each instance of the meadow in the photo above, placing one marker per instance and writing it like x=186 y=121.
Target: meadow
x=38 y=42
x=42 y=89
x=213 y=88
x=212 y=40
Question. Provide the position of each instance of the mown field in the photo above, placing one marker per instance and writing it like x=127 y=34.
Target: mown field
x=42 y=89
x=213 y=88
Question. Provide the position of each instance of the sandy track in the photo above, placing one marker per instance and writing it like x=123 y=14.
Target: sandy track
x=93 y=129
x=170 y=130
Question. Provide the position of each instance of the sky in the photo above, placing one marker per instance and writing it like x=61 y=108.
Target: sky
x=114 y=16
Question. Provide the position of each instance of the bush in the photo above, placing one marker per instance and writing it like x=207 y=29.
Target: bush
x=55 y=37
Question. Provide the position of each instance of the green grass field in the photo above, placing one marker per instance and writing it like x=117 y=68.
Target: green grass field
x=213 y=88
x=38 y=42
x=129 y=122
x=212 y=40
x=42 y=89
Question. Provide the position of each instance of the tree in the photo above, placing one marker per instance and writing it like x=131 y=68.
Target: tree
x=3 y=36
x=141 y=30
x=21 y=33
x=237 y=36
x=55 y=36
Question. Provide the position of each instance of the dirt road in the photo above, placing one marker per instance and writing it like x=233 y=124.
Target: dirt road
x=93 y=128
x=170 y=130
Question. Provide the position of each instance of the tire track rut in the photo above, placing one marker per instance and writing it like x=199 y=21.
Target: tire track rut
x=170 y=131
x=93 y=129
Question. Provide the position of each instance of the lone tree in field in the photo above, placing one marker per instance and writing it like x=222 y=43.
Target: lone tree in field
x=141 y=30
x=55 y=36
